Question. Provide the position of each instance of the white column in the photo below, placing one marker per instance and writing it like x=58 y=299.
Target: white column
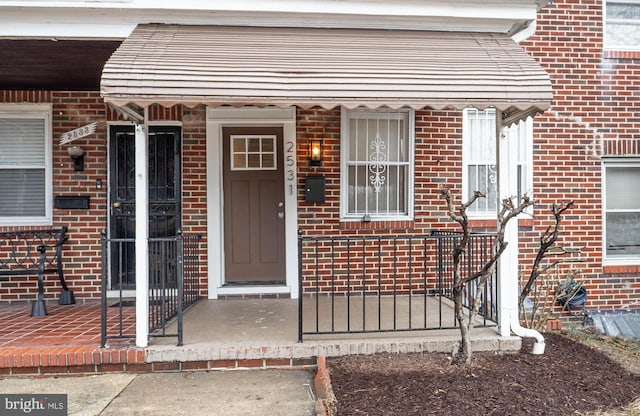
x=508 y=287
x=508 y=261
x=142 y=234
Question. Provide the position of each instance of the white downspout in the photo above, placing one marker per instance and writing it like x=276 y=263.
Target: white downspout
x=508 y=261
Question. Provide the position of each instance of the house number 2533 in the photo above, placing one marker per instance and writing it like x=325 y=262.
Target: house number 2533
x=290 y=162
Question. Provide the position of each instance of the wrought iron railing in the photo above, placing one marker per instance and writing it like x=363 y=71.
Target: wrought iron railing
x=369 y=284
x=174 y=268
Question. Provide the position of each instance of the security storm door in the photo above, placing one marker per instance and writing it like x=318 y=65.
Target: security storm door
x=164 y=195
x=254 y=222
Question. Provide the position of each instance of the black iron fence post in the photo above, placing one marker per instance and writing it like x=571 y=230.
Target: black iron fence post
x=300 y=288
x=103 y=294
x=180 y=271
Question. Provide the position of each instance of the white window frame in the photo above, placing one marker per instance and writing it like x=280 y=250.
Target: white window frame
x=346 y=116
x=606 y=42
x=40 y=111
x=522 y=133
x=619 y=259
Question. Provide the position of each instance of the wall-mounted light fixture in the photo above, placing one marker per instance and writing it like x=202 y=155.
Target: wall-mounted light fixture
x=315 y=152
x=77 y=154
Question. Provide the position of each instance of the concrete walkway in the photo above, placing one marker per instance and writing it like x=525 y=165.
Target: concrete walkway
x=233 y=393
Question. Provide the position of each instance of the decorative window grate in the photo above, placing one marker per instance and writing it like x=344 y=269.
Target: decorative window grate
x=377 y=163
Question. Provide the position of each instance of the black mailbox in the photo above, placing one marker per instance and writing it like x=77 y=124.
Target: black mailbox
x=314 y=188
x=71 y=202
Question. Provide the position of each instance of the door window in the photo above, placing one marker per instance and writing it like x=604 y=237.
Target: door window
x=253 y=152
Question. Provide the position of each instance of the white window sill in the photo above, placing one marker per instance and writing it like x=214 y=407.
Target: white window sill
x=7 y=222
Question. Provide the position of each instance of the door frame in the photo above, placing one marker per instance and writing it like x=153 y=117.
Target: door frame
x=217 y=118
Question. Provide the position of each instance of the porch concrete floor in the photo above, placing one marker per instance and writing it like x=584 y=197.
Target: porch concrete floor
x=218 y=334
x=244 y=329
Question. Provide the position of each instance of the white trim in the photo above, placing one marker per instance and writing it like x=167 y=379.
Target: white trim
x=39 y=111
x=97 y=19
x=386 y=114
x=217 y=118
x=254 y=290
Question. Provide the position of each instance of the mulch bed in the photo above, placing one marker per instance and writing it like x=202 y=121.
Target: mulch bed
x=569 y=377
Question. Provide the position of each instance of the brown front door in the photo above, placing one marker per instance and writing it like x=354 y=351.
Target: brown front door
x=253 y=205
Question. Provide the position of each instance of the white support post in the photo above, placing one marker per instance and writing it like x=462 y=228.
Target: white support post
x=508 y=261
x=142 y=234
x=508 y=287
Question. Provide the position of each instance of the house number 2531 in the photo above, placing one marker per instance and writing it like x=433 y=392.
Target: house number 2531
x=290 y=162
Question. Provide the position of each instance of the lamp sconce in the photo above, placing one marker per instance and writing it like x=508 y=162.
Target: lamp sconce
x=315 y=152
x=77 y=154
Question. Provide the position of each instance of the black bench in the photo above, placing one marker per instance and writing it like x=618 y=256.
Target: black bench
x=35 y=252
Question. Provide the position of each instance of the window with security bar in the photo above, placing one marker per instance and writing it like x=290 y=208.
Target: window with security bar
x=479 y=158
x=25 y=165
x=377 y=164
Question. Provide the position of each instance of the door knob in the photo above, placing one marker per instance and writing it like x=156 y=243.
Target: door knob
x=281 y=215
x=116 y=205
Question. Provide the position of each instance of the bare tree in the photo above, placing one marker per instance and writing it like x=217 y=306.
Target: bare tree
x=548 y=258
x=547 y=248
x=459 y=215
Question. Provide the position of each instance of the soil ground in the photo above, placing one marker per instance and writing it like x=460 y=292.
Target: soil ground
x=580 y=373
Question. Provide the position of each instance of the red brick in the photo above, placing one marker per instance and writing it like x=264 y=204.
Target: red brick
x=194 y=365
x=168 y=366
x=54 y=370
x=25 y=370
x=223 y=364
x=111 y=368
x=139 y=367
x=273 y=362
x=87 y=368
x=250 y=363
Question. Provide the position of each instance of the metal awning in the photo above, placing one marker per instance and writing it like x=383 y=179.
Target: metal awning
x=306 y=67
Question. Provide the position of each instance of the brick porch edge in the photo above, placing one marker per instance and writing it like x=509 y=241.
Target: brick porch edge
x=93 y=360
x=211 y=357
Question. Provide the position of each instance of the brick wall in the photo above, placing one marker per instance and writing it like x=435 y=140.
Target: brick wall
x=81 y=254
x=594 y=112
x=438 y=164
